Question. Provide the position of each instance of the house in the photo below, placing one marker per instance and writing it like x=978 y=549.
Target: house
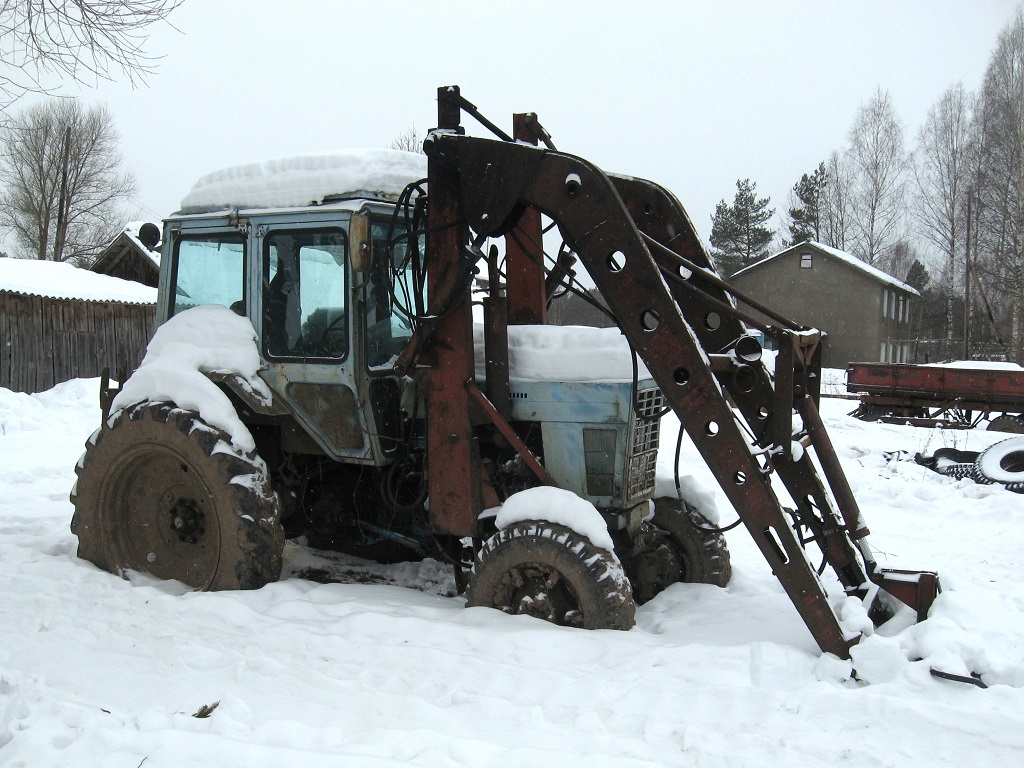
x=59 y=322
x=865 y=311
x=133 y=255
x=573 y=309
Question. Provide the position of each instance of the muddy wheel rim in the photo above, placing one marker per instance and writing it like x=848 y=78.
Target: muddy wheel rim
x=538 y=590
x=165 y=521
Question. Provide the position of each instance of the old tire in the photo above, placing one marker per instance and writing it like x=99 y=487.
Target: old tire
x=554 y=573
x=1007 y=423
x=1002 y=463
x=160 y=491
x=702 y=550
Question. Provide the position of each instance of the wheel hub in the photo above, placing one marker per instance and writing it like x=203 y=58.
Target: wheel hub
x=187 y=520
x=539 y=593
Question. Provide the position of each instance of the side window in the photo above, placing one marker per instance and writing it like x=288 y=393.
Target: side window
x=394 y=292
x=305 y=294
x=209 y=269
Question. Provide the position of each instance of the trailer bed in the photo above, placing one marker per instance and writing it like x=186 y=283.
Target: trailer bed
x=952 y=395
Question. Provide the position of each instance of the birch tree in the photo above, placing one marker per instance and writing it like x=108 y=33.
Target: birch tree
x=1000 y=174
x=64 y=187
x=75 y=39
x=942 y=174
x=877 y=163
x=835 y=203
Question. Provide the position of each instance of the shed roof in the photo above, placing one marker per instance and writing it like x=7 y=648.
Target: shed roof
x=127 y=240
x=848 y=258
x=59 y=280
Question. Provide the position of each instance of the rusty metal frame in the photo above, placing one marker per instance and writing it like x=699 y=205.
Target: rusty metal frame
x=640 y=248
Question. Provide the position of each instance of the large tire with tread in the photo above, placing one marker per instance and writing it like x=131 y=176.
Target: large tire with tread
x=554 y=573
x=161 y=491
x=1002 y=463
x=702 y=550
x=1007 y=423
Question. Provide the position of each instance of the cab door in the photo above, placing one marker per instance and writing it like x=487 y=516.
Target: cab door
x=306 y=331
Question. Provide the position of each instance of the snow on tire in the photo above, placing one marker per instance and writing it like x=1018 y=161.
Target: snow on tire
x=161 y=491
x=1002 y=463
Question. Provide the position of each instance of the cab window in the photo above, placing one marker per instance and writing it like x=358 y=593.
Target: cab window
x=305 y=294
x=209 y=269
x=394 y=292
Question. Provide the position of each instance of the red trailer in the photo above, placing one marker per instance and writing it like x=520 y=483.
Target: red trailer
x=958 y=395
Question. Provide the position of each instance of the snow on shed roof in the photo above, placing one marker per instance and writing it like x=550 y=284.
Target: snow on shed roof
x=848 y=258
x=307 y=179
x=131 y=230
x=58 y=280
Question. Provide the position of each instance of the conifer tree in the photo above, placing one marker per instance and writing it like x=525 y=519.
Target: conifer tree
x=739 y=236
x=805 y=207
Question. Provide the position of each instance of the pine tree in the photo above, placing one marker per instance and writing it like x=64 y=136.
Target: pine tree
x=805 y=208
x=739 y=236
x=917 y=276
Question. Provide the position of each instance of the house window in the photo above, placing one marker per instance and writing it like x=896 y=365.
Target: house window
x=885 y=302
x=806 y=261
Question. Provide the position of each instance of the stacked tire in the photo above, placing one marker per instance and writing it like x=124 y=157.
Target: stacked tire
x=1001 y=463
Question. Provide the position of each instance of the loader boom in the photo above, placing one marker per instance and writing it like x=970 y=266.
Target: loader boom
x=642 y=252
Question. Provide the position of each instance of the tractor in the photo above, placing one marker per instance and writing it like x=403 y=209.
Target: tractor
x=340 y=356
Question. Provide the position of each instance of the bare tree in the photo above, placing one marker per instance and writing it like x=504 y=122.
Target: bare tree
x=408 y=140
x=64 y=186
x=877 y=163
x=79 y=39
x=835 y=203
x=1000 y=174
x=943 y=168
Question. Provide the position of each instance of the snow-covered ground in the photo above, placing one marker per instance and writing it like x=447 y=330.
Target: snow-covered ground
x=96 y=671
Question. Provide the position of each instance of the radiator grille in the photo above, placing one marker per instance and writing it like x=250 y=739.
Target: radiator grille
x=643 y=459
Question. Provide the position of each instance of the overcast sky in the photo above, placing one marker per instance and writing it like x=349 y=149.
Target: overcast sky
x=692 y=95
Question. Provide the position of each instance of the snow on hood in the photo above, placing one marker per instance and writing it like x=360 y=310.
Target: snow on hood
x=204 y=339
x=60 y=280
x=564 y=353
x=307 y=179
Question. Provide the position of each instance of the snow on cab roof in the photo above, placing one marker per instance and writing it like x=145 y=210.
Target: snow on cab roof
x=307 y=179
x=59 y=280
x=848 y=258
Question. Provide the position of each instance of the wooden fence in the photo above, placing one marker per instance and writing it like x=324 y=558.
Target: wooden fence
x=45 y=341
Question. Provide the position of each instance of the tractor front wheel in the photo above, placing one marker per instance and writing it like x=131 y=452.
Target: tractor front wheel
x=161 y=491
x=553 y=573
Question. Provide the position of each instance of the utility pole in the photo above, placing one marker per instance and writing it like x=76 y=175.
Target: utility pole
x=967 y=285
x=62 y=200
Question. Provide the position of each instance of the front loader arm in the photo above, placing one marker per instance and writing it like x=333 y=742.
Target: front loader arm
x=831 y=514
x=636 y=242
x=497 y=180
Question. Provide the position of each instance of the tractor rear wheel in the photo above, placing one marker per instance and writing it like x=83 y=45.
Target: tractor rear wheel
x=553 y=573
x=161 y=491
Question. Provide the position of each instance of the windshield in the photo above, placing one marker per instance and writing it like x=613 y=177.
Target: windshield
x=209 y=269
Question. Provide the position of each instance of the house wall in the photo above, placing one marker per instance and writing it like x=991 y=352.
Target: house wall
x=123 y=260
x=132 y=267
x=837 y=298
x=45 y=341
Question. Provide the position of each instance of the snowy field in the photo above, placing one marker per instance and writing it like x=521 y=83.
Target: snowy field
x=389 y=669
